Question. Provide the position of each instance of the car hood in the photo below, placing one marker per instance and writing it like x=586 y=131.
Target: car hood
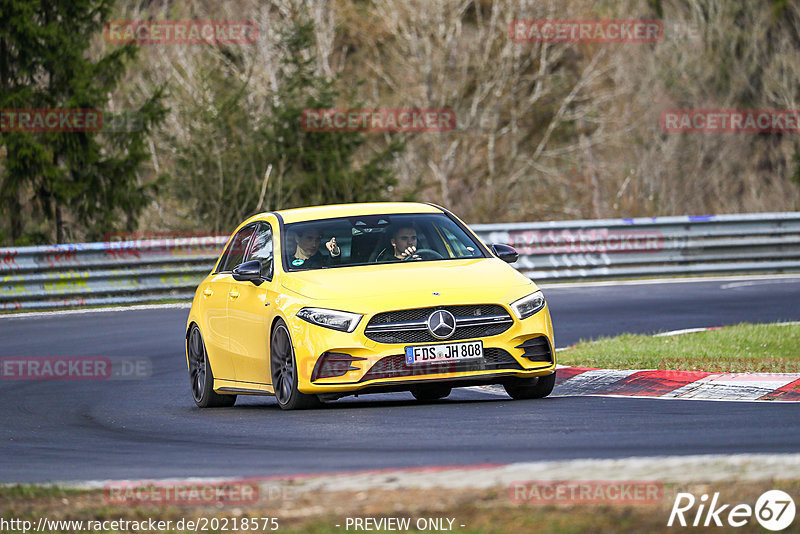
x=400 y=285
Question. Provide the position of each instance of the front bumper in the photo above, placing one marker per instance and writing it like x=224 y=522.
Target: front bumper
x=382 y=368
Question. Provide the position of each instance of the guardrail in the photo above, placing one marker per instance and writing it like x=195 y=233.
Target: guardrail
x=90 y=274
x=96 y=274
x=652 y=246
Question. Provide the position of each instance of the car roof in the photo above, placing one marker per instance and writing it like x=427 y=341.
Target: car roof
x=350 y=210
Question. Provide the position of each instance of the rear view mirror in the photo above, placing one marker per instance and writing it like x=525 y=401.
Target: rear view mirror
x=505 y=252
x=249 y=271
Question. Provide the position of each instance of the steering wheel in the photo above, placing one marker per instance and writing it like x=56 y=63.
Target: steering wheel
x=422 y=252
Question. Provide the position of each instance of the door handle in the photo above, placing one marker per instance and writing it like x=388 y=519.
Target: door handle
x=207 y=292
x=233 y=295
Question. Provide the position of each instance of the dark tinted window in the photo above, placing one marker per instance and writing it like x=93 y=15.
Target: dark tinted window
x=237 y=249
x=262 y=249
x=369 y=240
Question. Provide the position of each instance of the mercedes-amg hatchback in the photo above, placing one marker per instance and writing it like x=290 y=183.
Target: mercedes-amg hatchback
x=313 y=304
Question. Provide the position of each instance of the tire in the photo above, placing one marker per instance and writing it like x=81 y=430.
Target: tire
x=283 y=369
x=201 y=377
x=531 y=388
x=431 y=392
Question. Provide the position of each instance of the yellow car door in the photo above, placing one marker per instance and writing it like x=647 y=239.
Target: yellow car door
x=250 y=312
x=216 y=302
x=213 y=311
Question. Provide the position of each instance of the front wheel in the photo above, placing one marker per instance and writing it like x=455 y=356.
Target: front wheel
x=530 y=388
x=283 y=368
x=201 y=376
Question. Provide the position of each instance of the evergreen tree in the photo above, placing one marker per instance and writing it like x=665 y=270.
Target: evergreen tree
x=86 y=177
x=228 y=147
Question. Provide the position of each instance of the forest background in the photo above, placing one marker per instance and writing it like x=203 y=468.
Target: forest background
x=205 y=135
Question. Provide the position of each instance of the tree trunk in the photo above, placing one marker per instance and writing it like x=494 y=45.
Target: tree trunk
x=15 y=217
x=59 y=223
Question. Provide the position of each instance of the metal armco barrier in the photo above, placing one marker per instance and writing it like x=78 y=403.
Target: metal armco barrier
x=652 y=246
x=90 y=274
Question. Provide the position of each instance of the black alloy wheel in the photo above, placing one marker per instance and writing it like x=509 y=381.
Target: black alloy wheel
x=201 y=376
x=284 y=372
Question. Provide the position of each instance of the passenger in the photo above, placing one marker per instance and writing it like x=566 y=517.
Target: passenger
x=404 y=245
x=307 y=254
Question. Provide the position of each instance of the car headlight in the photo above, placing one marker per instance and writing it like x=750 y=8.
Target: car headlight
x=527 y=306
x=337 y=320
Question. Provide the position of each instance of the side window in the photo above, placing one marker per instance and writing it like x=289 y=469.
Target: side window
x=237 y=249
x=262 y=249
x=455 y=244
x=426 y=236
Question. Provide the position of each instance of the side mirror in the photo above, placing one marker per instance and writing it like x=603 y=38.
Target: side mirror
x=249 y=271
x=505 y=252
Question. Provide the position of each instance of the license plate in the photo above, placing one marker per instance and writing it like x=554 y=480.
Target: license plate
x=468 y=350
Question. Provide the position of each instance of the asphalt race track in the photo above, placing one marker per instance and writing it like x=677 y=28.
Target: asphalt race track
x=98 y=430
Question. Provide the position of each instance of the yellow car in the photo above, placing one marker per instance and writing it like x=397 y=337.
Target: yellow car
x=313 y=304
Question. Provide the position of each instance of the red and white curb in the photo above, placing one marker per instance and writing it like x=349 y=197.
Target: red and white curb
x=581 y=381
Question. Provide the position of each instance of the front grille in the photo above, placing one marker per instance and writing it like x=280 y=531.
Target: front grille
x=408 y=326
x=395 y=365
x=420 y=314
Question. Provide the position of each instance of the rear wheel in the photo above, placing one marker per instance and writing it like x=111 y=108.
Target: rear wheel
x=283 y=368
x=530 y=388
x=201 y=376
x=431 y=392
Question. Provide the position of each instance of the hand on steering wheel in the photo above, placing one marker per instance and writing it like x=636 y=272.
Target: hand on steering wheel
x=420 y=253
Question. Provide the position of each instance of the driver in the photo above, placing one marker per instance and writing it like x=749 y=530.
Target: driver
x=307 y=254
x=404 y=245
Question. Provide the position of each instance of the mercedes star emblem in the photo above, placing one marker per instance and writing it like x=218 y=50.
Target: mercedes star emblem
x=441 y=324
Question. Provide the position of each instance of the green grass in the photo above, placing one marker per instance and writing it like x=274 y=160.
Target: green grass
x=31 y=491
x=762 y=348
x=488 y=511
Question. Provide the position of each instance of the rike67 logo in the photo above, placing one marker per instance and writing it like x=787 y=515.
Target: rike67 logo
x=774 y=510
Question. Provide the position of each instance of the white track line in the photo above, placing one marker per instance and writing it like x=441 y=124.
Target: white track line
x=683 y=331
x=135 y=307
x=707 y=328
x=734 y=285
x=653 y=281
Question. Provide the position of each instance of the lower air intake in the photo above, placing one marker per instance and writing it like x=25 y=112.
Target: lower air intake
x=395 y=365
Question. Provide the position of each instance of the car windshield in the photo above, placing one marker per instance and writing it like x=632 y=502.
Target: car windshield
x=375 y=239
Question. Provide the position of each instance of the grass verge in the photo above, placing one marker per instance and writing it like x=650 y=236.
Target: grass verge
x=744 y=348
x=479 y=511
